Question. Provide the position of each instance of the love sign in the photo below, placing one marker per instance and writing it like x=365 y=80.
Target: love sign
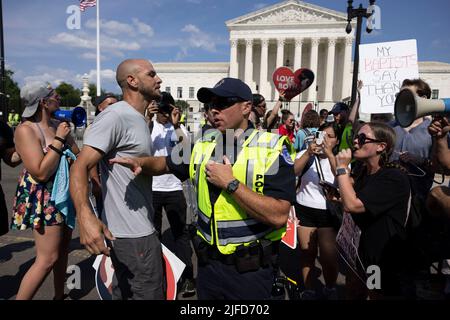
x=290 y=83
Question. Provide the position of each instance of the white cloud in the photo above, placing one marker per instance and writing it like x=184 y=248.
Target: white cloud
x=92 y=56
x=111 y=27
x=142 y=27
x=71 y=40
x=190 y=28
x=55 y=76
x=87 y=42
x=116 y=28
x=181 y=54
x=115 y=38
x=107 y=75
x=52 y=76
x=199 y=39
x=194 y=1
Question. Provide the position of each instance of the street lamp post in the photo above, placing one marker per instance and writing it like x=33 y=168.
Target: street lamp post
x=2 y=69
x=358 y=13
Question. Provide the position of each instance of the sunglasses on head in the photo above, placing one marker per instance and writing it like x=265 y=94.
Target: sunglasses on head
x=222 y=103
x=363 y=139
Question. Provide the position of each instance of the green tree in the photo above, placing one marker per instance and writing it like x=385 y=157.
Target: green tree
x=70 y=97
x=13 y=91
x=93 y=91
x=183 y=105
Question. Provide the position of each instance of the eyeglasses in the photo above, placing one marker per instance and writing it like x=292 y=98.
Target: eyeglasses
x=363 y=139
x=222 y=103
x=53 y=97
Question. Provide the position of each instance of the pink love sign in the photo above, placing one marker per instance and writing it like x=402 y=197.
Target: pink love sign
x=290 y=83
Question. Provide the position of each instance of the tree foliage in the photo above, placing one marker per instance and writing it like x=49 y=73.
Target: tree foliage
x=93 y=91
x=183 y=105
x=13 y=91
x=70 y=96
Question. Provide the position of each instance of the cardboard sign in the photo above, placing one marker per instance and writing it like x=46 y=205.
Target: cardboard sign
x=292 y=84
x=347 y=243
x=104 y=272
x=383 y=67
x=290 y=238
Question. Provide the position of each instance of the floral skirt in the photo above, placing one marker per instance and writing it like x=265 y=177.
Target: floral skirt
x=32 y=207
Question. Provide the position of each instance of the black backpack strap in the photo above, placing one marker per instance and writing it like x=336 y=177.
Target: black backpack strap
x=150 y=126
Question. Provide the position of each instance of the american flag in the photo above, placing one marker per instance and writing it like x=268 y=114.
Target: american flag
x=87 y=3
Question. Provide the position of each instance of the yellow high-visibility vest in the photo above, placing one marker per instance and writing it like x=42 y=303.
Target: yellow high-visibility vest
x=226 y=224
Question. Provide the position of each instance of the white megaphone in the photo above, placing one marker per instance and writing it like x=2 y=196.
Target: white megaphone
x=409 y=107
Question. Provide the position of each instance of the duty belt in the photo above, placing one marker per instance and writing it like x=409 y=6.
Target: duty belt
x=264 y=250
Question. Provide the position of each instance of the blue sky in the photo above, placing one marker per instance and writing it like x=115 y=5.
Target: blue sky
x=39 y=46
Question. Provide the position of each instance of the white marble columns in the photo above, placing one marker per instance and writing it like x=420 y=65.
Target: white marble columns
x=305 y=46
x=346 y=83
x=298 y=53
x=249 y=63
x=263 y=84
x=330 y=69
x=280 y=53
x=312 y=94
x=233 y=59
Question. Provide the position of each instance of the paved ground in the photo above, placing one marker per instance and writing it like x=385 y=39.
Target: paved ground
x=17 y=255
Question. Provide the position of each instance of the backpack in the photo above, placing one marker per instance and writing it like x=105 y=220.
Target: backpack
x=308 y=134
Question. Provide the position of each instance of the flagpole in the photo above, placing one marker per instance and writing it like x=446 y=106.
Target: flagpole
x=98 y=49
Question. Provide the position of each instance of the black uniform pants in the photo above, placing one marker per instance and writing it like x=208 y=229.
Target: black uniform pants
x=219 y=281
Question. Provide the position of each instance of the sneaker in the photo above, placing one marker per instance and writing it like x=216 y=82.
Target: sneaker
x=329 y=293
x=308 y=295
x=188 y=288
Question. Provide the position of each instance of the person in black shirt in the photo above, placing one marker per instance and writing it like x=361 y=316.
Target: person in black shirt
x=11 y=158
x=378 y=201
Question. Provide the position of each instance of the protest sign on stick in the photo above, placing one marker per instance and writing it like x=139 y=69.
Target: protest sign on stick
x=383 y=67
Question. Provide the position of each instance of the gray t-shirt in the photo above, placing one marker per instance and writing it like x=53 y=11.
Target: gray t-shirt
x=417 y=142
x=121 y=131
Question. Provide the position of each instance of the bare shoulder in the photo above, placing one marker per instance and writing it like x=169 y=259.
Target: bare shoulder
x=25 y=129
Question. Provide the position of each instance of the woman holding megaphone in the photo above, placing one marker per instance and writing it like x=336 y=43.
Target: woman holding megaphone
x=42 y=143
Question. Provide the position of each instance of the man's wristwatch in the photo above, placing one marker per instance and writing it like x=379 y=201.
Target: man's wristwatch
x=232 y=186
x=341 y=171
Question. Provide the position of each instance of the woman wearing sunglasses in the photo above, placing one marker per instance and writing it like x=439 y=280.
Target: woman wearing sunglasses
x=40 y=142
x=377 y=199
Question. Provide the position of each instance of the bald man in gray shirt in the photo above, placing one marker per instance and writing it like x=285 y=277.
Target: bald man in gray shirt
x=127 y=217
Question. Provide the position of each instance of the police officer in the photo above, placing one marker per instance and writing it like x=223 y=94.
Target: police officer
x=243 y=197
x=13 y=118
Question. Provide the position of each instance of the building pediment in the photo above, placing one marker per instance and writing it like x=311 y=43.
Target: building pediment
x=289 y=12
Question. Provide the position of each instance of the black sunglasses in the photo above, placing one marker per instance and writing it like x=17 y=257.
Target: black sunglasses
x=222 y=103
x=363 y=139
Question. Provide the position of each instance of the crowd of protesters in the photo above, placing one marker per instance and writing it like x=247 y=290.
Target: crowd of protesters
x=328 y=165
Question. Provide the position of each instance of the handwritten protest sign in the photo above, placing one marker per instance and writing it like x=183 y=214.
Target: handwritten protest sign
x=383 y=67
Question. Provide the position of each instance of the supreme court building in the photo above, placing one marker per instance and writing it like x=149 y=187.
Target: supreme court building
x=294 y=34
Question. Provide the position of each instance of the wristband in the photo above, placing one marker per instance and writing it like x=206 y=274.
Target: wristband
x=63 y=141
x=55 y=149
